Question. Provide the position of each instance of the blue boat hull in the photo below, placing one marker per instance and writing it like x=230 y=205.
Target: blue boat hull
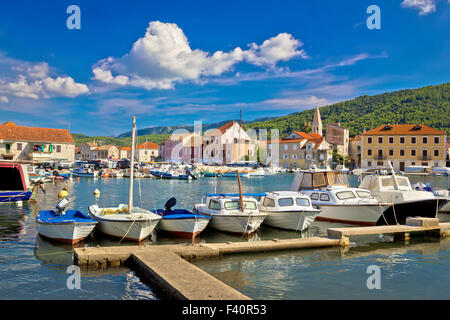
x=14 y=196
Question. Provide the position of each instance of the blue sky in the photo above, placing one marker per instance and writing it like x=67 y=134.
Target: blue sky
x=175 y=62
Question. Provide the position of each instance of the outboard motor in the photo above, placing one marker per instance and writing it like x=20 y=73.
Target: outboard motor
x=62 y=205
x=169 y=204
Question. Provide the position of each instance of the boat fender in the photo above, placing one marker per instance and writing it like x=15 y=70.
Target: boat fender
x=96 y=192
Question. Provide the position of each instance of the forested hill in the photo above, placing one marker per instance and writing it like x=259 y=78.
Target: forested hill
x=428 y=105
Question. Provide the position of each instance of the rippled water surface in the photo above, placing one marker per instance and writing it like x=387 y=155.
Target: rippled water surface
x=33 y=268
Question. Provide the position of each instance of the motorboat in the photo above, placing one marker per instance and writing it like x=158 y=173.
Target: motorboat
x=180 y=222
x=14 y=182
x=67 y=226
x=126 y=222
x=288 y=210
x=86 y=170
x=232 y=213
x=330 y=192
x=438 y=193
x=257 y=172
x=407 y=202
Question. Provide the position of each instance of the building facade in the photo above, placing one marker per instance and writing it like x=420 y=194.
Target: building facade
x=338 y=137
x=404 y=145
x=106 y=152
x=354 y=151
x=35 y=145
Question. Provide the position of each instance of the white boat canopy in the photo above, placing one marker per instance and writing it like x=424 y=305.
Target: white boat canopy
x=316 y=179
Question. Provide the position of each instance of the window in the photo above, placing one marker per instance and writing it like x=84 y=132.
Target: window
x=286 y=147
x=19 y=147
x=364 y=194
x=413 y=140
x=380 y=163
x=402 y=140
x=268 y=202
x=324 y=197
x=232 y=205
x=436 y=153
x=402 y=152
x=436 y=140
x=425 y=140
x=391 y=140
x=58 y=148
x=369 y=139
x=285 y=156
x=345 y=195
x=250 y=205
x=380 y=140
x=424 y=153
x=314 y=196
x=391 y=152
x=214 y=205
x=294 y=147
x=413 y=163
x=294 y=156
x=285 y=202
x=302 y=202
x=369 y=152
x=413 y=152
x=369 y=163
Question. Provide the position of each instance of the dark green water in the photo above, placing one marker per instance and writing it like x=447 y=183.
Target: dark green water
x=33 y=268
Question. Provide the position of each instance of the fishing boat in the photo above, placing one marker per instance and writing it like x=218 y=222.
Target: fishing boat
x=126 y=221
x=14 y=182
x=330 y=192
x=232 y=213
x=180 y=222
x=85 y=170
x=438 y=193
x=407 y=202
x=288 y=210
x=67 y=226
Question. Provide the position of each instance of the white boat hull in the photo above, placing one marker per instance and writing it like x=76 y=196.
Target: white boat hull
x=291 y=220
x=186 y=228
x=237 y=223
x=354 y=214
x=66 y=232
x=131 y=227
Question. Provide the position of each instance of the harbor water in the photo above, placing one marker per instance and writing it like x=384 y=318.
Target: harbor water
x=33 y=268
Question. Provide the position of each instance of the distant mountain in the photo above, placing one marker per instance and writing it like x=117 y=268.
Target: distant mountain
x=171 y=129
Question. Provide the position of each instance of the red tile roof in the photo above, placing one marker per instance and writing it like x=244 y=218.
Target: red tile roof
x=147 y=145
x=406 y=129
x=226 y=126
x=12 y=132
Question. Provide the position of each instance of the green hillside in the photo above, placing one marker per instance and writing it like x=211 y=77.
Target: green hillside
x=121 y=142
x=429 y=105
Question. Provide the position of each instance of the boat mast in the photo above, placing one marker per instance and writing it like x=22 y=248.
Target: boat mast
x=130 y=200
x=241 y=200
x=393 y=175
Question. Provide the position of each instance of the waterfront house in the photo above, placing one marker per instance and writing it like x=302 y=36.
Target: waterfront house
x=182 y=147
x=125 y=153
x=85 y=150
x=229 y=143
x=106 y=152
x=35 y=145
x=338 y=137
x=354 y=151
x=300 y=150
x=404 y=145
x=146 y=152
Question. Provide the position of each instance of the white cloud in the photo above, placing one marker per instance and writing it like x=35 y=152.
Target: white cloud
x=424 y=6
x=164 y=57
x=4 y=99
x=33 y=80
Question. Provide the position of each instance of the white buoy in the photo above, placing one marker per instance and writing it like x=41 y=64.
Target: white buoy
x=19 y=203
x=96 y=192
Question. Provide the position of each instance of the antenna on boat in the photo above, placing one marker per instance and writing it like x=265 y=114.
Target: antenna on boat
x=241 y=200
x=130 y=199
x=393 y=175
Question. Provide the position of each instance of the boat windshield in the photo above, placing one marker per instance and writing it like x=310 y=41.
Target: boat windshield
x=234 y=205
x=364 y=194
x=285 y=202
x=345 y=195
x=302 y=201
x=389 y=182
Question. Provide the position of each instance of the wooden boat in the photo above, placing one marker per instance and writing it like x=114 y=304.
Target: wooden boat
x=179 y=222
x=14 y=182
x=288 y=210
x=68 y=226
x=126 y=222
x=85 y=171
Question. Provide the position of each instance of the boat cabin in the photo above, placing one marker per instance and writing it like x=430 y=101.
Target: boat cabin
x=317 y=179
x=339 y=196
x=285 y=201
x=14 y=177
x=230 y=204
x=378 y=183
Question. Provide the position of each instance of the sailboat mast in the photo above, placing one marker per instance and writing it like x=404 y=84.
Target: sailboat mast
x=133 y=132
x=241 y=200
